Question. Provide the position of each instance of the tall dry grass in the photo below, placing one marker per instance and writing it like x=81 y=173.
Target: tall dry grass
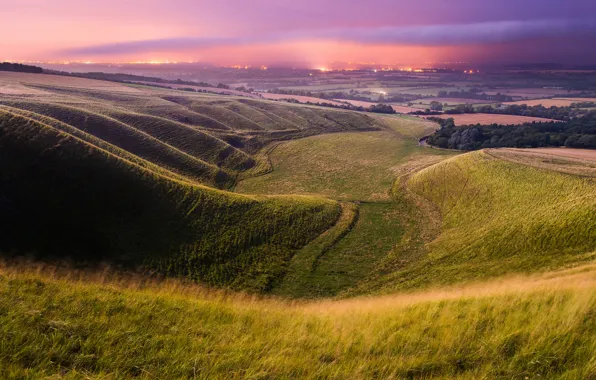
x=102 y=325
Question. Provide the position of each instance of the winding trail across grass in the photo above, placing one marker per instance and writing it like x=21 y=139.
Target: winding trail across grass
x=359 y=170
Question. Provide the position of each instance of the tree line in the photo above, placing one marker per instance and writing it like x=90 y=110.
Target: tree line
x=350 y=95
x=576 y=133
x=20 y=68
x=474 y=93
x=557 y=113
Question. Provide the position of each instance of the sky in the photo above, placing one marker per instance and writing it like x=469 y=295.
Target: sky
x=313 y=33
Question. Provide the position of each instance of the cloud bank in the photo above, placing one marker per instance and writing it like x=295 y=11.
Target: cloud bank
x=427 y=35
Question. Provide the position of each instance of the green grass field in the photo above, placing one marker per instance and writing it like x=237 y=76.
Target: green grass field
x=82 y=325
x=181 y=235
x=498 y=217
x=346 y=166
x=351 y=167
x=65 y=197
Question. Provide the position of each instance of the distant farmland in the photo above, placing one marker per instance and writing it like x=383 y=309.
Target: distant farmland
x=533 y=93
x=404 y=109
x=563 y=102
x=36 y=84
x=357 y=103
x=487 y=118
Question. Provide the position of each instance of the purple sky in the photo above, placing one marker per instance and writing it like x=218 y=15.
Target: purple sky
x=312 y=31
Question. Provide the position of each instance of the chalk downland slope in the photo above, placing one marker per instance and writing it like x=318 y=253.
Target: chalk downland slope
x=498 y=217
x=104 y=171
x=208 y=139
x=65 y=193
x=359 y=170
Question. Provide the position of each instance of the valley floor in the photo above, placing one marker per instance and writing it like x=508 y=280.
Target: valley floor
x=358 y=169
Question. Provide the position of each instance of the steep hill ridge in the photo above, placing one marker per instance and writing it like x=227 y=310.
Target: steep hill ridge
x=63 y=196
x=498 y=217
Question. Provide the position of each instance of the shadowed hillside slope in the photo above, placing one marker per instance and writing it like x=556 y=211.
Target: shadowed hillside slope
x=209 y=139
x=63 y=196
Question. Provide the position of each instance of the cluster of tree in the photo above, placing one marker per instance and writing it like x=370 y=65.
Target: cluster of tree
x=557 y=113
x=381 y=108
x=244 y=89
x=20 y=68
x=436 y=106
x=461 y=108
x=583 y=105
x=576 y=133
x=426 y=112
x=474 y=94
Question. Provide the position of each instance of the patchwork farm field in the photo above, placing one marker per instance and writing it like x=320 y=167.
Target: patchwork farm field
x=425 y=103
x=222 y=91
x=400 y=108
x=556 y=102
x=175 y=234
x=486 y=119
x=534 y=93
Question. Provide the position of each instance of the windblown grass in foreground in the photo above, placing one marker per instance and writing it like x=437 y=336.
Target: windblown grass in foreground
x=93 y=327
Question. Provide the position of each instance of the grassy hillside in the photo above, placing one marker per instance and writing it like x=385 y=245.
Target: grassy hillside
x=352 y=167
x=348 y=166
x=205 y=138
x=471 y=217
x=93 y=326
x=121 y=166
x=498 y=217
x=133 y=140
x=344 y=204
x=62 y=196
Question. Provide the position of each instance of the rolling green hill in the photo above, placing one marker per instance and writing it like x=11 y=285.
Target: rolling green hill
x=65 y=197
x=485 y=258
x=463 y=219
x=358 y=169
x=206 y=138
x=97 y=171
x=497 y=217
